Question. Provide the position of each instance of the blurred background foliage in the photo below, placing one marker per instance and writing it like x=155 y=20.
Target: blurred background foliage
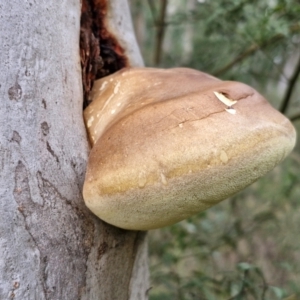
x=247 y=247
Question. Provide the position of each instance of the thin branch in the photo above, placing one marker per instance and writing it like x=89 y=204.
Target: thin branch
x=295 y=117
x=251 y=50
x=160 y=31
x=290 y=88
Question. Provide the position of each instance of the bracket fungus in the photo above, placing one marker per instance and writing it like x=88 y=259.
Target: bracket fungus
x=167 y=144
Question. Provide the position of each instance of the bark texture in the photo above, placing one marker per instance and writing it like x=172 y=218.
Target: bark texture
x=51 y=246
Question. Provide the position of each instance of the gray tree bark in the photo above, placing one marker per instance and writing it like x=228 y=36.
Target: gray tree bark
x=51 y=246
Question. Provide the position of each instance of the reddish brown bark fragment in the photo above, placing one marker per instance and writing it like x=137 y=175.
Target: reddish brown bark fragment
x=100 y=52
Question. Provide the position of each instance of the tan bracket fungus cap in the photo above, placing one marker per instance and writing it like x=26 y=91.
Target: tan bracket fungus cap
x=168 y=144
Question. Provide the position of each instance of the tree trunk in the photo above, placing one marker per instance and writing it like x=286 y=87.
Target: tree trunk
x=51 y=246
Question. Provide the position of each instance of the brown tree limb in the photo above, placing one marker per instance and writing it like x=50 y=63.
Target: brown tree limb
x=160 y=31
x=290 y=88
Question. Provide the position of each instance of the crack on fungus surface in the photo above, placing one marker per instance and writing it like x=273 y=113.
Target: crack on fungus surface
x=188 y=120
